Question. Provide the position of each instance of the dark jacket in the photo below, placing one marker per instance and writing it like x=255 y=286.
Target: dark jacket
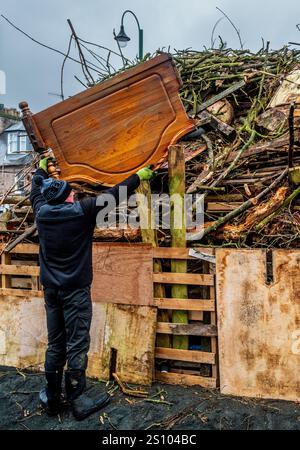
x=66 y=233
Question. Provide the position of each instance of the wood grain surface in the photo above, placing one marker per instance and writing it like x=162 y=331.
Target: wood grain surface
x=259 y=323
x=111 y=130
x=122 y=274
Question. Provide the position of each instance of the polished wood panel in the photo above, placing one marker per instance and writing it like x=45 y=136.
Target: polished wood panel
x=111 y=130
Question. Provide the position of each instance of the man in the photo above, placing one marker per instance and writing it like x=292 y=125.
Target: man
x=65 y=229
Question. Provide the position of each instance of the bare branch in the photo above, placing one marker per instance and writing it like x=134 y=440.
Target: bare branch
x=105 y=48
x=236 y=29
x=88 y=76
x=62 y=69
x=212 y=40
x=81 y=82
x=48 y=47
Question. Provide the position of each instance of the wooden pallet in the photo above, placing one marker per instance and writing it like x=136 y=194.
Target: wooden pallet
x=196 y=309
x=19 y=271
x=19 y=280
x=122 y=335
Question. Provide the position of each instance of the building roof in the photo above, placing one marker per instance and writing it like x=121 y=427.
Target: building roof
x=17 y=159
x=15 y=127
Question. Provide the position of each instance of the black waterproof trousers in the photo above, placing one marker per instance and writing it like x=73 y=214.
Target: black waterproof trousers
x=69 y=314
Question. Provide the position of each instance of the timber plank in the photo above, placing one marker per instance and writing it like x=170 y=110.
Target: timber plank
x=186 y=304
x=26 y=293
x=183 y=278
x=19 y=270
x=32 y=249
x=23 y=333
x=122 y=274
x=258 y=323
x=185 y=355
x=187 y=380
x=5 y=281
x=129 y=332
x=191 y=329
x=177 y=252
x=214 y=342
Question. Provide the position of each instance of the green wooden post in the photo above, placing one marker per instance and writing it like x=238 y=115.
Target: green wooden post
x=178 y=232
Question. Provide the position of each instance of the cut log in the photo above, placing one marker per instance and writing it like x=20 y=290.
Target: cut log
x=17 y=199
x=255 y=215
x=246 y=205
x=115 y=234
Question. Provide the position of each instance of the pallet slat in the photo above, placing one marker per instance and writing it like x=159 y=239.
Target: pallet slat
x=185 y=355
x=183 y=278
x=187 y=380
x=32 y=249
x=21 y=293
x=13 y=269
x=177 y=253
x=185 y=304
x=183 y=329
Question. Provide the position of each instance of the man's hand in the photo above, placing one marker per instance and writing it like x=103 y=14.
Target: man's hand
x=146 y=173
x=43 y=164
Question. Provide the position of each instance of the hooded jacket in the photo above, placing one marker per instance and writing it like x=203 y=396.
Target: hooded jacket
x=66 y=233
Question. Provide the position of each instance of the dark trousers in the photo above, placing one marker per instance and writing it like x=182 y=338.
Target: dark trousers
x=69 y=314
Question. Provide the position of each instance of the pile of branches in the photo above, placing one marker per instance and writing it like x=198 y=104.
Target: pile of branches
x=246 y=145
x=243 y=157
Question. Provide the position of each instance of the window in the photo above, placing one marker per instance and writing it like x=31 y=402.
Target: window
x=12 y=142
x=17 y=142
x=23 y=143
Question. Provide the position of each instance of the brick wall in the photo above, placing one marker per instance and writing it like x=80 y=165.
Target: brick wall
x=7 y=178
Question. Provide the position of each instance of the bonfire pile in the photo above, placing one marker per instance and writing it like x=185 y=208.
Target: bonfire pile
x=248 y=144
x=244 y=155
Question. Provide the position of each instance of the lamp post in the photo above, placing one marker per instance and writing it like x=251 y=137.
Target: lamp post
x=122 y=37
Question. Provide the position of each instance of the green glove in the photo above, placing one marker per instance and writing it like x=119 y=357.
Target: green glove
x=146 y=173
x=43 y=164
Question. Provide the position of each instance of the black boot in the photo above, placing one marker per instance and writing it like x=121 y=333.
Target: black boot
x=50 y=395
x=83 y=404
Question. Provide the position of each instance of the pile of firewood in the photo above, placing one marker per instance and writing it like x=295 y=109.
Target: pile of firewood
x=247 y=110
x=243 y=157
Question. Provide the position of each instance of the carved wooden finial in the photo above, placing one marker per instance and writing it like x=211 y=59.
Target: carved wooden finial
x=31 y=128
x=23 y=106
x=36 y=138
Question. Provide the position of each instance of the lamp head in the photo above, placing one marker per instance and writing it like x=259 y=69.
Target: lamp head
x=122 y=37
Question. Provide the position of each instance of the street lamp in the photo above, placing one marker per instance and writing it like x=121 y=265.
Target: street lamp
x=122 y=37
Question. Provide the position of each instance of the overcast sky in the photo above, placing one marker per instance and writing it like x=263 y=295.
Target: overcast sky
x=32 y=72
